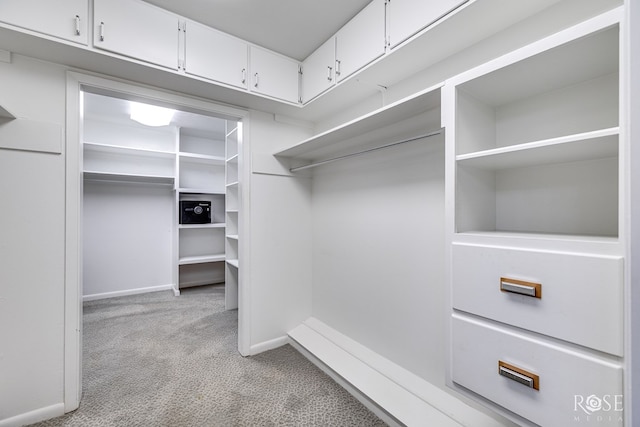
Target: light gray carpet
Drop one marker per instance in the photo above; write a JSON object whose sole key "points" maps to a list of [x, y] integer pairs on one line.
{"points": [[159, 360]]}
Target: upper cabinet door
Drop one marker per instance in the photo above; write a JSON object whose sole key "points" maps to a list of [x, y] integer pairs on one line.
{"points": [[273, 75], [136, 29], [215, 55], [66, 19], [361, 40], [318, 70], [407, 17]]}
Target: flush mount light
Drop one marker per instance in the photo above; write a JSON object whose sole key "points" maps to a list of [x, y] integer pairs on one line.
{"points": [[151, 115]]}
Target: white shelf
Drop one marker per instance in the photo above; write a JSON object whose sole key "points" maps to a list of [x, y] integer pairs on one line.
{"points": [[233, 262], [201, 259], [233, 184], [121, 149], [603, 245], [200, 191], [585, 146], [477, 235], [233, 158], [232, 211], [391, 114], [123, 177], [201, 158], [232, 236], [198, 226]]}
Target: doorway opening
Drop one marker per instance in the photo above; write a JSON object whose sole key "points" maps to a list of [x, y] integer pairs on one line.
{"points": [[152, 204]]}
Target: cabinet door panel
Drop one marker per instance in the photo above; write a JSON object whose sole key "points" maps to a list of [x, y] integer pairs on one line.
{"points": [[273, 75], [136, 29], [361, 40], [318, 70], [66, 19], [407, 17], [215, 55]]}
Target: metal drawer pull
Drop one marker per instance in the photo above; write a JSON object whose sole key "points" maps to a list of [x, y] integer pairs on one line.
{"points": [[521, 287], [101, 32], [519, 375], [77, 20]]}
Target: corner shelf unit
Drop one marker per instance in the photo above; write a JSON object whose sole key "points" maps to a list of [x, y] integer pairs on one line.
{"points": [[535, 191]]}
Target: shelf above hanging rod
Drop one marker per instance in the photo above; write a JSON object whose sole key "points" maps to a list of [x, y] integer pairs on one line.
{"points": [[346, 156]]}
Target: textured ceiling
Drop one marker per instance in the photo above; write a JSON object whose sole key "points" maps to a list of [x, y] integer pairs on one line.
{"points": [[292, 27]]}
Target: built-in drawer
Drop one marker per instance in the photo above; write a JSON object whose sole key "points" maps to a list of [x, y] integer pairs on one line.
{"points": [[543, 382], [573, 297]]}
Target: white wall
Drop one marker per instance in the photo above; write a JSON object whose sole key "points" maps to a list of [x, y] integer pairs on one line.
{"points": [[280, 241], [378, 244], [32, 247], [127, 237]]}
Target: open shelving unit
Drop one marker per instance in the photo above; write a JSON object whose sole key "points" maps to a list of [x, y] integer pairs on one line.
{"points": [[534, 189], [200, 171], [232, 213], [537, 133]]}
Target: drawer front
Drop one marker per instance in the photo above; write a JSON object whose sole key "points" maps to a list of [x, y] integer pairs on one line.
{"points": [[579, 297], [572, 388]]}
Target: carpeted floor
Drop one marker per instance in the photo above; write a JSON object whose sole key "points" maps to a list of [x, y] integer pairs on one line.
{"points": [[159, 360]]}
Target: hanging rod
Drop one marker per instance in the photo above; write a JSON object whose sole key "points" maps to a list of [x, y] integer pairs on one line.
{"points": [[393, 144]]}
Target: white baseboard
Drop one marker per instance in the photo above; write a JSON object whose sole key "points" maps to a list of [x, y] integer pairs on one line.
{"points": [[104, 295], [32, 417], [268, 345], [403, 395]]}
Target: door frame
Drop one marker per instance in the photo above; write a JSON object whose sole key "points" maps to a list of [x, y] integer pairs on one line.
{"points": [[76, 84]]}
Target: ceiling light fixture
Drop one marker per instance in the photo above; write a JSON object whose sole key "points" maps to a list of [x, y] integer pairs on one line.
{"points": [[151, 115]]}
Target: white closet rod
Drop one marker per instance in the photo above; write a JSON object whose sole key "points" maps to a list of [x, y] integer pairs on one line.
{"points": [[393, 144]]}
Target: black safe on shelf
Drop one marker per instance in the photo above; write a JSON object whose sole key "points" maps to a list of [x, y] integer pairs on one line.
{"points": [[195, 212]]}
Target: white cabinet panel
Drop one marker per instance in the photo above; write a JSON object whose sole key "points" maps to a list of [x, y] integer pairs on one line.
{"points": [[66, 19], [407, 17], [566, 378], [215, 55], [273, 74], [361, 40], [136, 29], [573, 286], [318, 70]]}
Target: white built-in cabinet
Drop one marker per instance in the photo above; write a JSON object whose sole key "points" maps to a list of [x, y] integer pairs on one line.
{"points": [[359, 42], [535, 183], [65, 19], [407, 17], [273, 74], [138, 30], [214, 55], [318, 70], [536, 235]]}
